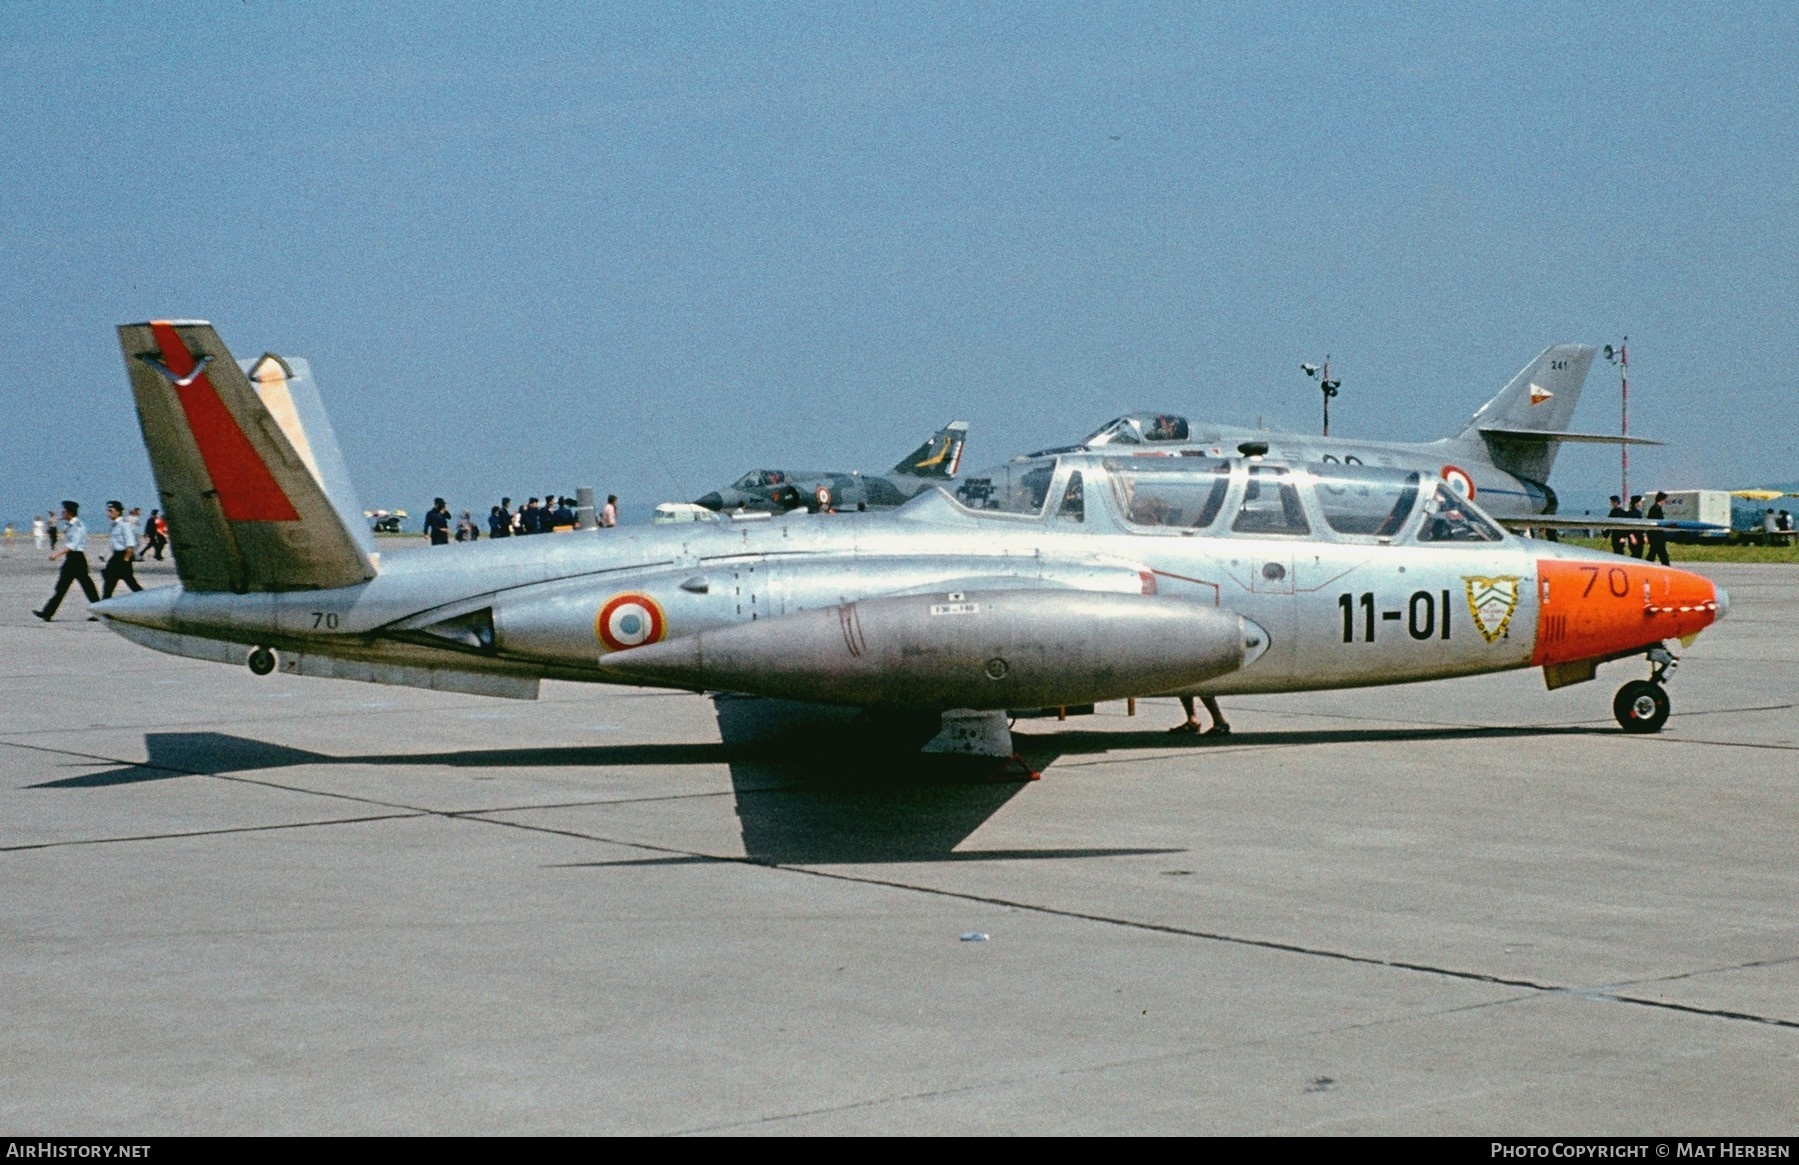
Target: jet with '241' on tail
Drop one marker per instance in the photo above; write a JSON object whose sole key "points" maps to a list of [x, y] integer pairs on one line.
{"points": [[1501, 457]]}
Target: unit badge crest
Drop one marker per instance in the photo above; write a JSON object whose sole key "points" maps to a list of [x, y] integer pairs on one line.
{"points": [[1491, 602]]}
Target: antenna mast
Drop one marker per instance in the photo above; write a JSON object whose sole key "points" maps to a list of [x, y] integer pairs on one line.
{"points": [[1621, 357], [1325, 383]]}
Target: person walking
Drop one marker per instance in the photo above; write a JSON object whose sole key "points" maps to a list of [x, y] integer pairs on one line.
{"points": [[50, 521], [609, 514], [38, 538], [1190, 725], [1636, 536], [124, 547], [1658, 541], [74, 563], [1619, 537], [159, 533], [437, 523]]}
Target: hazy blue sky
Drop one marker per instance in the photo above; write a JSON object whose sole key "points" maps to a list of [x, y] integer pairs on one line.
{"points": [[648, 247]]}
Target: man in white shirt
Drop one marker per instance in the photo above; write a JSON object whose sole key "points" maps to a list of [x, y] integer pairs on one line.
{"points": [[124, 548], [73, 553], [609, 514]]}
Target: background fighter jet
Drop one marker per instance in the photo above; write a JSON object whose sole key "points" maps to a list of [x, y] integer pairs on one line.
{"points": [[1120, 576], [1502, 456], [779, 490]]}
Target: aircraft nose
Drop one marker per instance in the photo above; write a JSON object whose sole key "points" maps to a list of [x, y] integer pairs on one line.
{"points": [[712, 501]]}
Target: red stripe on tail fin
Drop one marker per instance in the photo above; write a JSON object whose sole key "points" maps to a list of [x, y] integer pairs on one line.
{"points": [[247, 490]]}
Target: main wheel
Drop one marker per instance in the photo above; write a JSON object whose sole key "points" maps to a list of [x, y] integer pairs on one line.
{"points": [[262, 661], [1641, 706]]}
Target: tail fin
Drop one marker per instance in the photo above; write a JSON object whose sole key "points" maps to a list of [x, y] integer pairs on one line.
{"points": [[246, 479], [288, 391], [1539, 400], [938, 458]]}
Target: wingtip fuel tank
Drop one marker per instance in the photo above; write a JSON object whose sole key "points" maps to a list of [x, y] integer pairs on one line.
{"points": [[954, 649]]}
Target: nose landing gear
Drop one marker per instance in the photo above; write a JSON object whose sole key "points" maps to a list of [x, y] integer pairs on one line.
{"points": [[261, 661], [1642, 705]]}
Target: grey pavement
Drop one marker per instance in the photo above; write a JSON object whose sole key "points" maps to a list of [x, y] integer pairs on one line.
{"points": [[241, 905]]}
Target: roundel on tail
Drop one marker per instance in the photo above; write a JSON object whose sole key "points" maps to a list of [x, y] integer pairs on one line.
{"points": [[629, 620], [1459, 480]]}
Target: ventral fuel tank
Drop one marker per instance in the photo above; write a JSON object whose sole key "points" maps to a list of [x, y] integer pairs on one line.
{"points": [[981, 650]]}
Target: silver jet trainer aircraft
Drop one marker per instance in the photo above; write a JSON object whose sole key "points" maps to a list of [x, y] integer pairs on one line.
{"points": [[775, 491], [1502, 456], [1112, 577]]}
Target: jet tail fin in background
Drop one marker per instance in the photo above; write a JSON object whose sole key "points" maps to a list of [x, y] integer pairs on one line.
{"points": [[249, 475], [288, 391], [938, 458], [1540, 399]]}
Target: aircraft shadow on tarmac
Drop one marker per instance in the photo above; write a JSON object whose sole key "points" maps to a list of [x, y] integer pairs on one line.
{"points": [[812, 785]]}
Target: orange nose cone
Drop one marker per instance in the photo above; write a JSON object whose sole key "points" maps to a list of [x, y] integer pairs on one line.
{"points": [[1590, 610]]}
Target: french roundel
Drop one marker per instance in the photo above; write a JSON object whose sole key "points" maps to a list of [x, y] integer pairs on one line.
{"points": [[629, 620], [1458, 480]]}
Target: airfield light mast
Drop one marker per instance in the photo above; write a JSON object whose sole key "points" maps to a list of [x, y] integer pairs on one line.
{"points": [[1621, 357], [1330, 387]]}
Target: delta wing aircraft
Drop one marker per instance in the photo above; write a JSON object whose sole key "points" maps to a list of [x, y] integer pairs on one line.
{"points": [[1110, 577], [775, 491], [1501, 457]]}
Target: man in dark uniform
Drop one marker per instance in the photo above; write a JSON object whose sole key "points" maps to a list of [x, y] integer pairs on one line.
{"points": [[1619, 537], [74, 563], [1636, 536], [1658, 541], [124, 546], [437, 523]]}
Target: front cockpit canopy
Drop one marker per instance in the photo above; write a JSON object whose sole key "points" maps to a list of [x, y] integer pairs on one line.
{"points": [[760, 479]]}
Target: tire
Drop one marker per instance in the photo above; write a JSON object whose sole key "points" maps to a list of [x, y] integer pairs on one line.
{"points": [[1641, 706], [262, 661]]}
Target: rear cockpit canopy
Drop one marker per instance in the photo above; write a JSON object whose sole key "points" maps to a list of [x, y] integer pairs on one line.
{"points": [[759, 478], [1141, 429], [1229, 497]]}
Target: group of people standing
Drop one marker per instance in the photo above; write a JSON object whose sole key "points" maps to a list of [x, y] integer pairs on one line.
{"points": [[1636, 542], [130, 535], [552, 514]]}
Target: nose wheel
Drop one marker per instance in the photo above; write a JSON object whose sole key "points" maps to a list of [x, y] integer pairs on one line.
{"points": [[1643, 705]]}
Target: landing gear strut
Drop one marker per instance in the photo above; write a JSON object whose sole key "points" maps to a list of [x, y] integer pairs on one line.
{"points": [[1642, 705]]}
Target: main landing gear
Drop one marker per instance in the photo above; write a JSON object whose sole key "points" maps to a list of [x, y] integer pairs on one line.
{"points": [[1642, 705]]}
